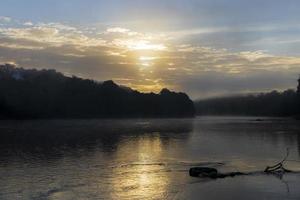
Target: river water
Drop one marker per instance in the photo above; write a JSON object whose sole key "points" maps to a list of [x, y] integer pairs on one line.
{"points": [[147, 158]]}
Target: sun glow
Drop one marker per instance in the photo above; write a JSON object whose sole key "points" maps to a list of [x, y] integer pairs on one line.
{"points": [[147, 58], [144, 45], [147, 61], [146, 64], [147, 52]]}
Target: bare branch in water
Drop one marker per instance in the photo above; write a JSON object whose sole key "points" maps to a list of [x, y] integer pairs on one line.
{"points": [[277, 169], [279, 166]]}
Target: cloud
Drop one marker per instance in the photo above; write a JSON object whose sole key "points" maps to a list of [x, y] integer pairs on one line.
{"points": [[4, 19], [145, 61], [28, 23], [51, 34], [117, 30]]}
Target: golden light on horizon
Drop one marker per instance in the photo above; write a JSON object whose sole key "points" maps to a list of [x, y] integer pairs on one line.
{"points": [[150, 88], [146, 88]]}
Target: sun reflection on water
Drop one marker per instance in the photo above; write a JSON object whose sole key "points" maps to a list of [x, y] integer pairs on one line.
{"points": [[145, 178]]}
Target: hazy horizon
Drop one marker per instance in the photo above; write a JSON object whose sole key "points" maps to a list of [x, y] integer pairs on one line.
{"points": [[204, 48]]}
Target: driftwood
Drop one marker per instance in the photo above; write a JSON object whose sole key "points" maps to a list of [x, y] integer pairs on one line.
{"points": [[278, 168], [213, 173]]}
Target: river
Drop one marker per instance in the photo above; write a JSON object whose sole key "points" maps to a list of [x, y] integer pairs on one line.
{"points": [[146, 158]]}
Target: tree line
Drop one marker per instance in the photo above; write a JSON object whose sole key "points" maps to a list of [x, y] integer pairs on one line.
{"points": [[31, 93], [286, 103]]}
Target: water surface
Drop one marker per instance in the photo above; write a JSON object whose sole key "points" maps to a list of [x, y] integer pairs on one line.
{"points": [[146, 158]]}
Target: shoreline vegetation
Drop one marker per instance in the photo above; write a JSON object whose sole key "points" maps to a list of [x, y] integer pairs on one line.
{"points": [[272, 104], [47, 94]]}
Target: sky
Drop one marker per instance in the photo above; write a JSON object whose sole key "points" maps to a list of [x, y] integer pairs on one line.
{"points": [[205, 48]]}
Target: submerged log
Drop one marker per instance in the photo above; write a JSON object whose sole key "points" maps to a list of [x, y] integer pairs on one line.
{"points": [[203, 171], [213, 173]]}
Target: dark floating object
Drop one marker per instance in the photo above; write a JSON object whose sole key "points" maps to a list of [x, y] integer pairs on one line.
{"points": [[203, 171], [259, 120], [213, 173]]}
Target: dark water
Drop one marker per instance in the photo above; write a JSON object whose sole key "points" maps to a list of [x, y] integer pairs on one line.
{"points": [[146, 159]]}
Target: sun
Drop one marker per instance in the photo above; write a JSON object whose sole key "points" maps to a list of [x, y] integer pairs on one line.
{"points": [[145, 51], [144, 45]]}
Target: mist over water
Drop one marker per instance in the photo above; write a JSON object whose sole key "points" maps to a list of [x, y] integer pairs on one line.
{"points": [[146, 158]]}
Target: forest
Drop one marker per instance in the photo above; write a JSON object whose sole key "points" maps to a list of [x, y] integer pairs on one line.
{"points": [[31, 93], [286, 103]]}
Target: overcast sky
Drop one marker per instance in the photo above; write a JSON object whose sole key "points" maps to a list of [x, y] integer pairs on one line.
{"points": [[202, 47]]}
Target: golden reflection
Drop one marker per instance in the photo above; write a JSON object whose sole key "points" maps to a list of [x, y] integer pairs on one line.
{"points": [[143, 176]]}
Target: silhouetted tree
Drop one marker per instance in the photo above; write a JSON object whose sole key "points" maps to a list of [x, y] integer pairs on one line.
{"points": [[298, 88], [30, 93], [298, 96]]}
